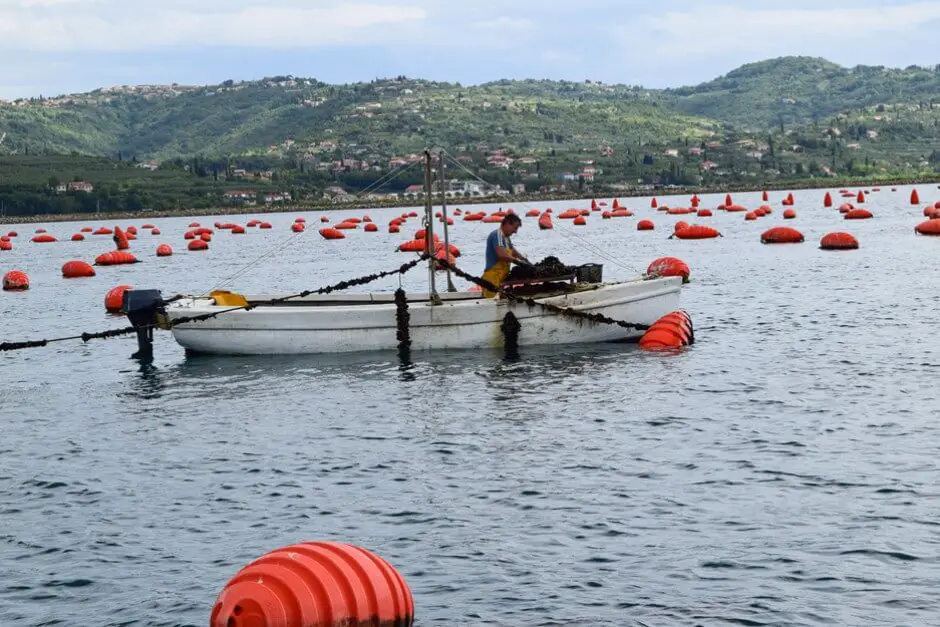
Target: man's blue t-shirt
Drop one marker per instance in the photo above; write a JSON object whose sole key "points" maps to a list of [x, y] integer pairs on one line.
{"points": [[495, 240]]}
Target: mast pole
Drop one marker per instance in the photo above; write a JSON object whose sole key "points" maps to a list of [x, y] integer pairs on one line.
{"points": [[429, 230], [440, 166]]}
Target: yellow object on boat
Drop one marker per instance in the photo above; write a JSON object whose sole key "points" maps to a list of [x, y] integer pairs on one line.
{"points": [[228, 299]]}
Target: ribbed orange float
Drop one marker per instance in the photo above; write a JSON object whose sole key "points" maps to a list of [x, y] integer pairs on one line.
{"points": [[838, 241], [930, 227], [413, 246], [198, 244], [164, 250], [789, 214], [669, 266], [858, 214], [674, 330], [77, 269], [645, 225], [315, 584], [781, 235], [114, 299], [696, 231], [15, 281], [45, 238], [735, 208], [330, 233], [115, 258]]}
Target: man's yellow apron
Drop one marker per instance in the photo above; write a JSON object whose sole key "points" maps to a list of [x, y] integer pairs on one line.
{"points": [[495, 274]]}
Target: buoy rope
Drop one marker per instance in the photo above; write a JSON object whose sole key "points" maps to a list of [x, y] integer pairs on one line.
{"points": [[293, 237], [531, 302], [85, 337], [565, 232]]}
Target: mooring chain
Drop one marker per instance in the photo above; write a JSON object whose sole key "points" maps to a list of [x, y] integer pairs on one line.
{"points": [[342, 285], [564, 311]]}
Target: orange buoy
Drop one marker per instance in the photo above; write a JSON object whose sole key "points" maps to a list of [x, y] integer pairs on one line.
{"points": [[765, 196], [696, 231], [132, 230], [147, 226], [6, 244], [827, 200], [653, 203], [329, 233], [606, 215], [297, 227], [674, 330], [750, 215], [735, 208], [352, 220], [838, 241], [846, 207], [930, 227], [413, 246], [303, 220], [533, 213], [120, 239], [238, 230], [781, 235], [858, 214], [645, 225], [728, 201], [198, 244], [315, 584], [264, 225], [164, 250], [694, 201], [40, 230], [704, 213], [568, 214], [346, 225], [15, 281], [394, 228], [621, 212], [669, 266], [114, 299], [115, 258], [87, 229], [77, 269], [45, 238], [915, 197], [154, 231], [580, 221], [194, 225], [545, 221], [366, 219], [681, 224], [371, 227], [861, 197], [206, 237], [789, 214]]}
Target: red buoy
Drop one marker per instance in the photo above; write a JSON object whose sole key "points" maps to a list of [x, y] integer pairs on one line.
{"points": [[264, 225], [115, 258], [303, 220], [930, 227], [838, 241], [861, 197], [669, 266], [728, 201], [164, 250], [545, 221], [78, 237], [154, 231], [827, 200], [114, 299], [371, 227], [194, 225], [120, 239], [696, 231], [337, 234], [315, 584], [15, 281], [858, 214], [533, 213], [704, 213], [915, 197], [6, 244], [198, 244], [45, 238], [77, 269], [645, 225], [781, 235], [580, 221], [297, 227], [789, 214], [653, 203], [87, 229], [765, 196], [674, 330]]}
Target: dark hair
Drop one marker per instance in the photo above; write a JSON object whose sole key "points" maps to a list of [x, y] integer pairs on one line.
{"points": [[511, 218]]}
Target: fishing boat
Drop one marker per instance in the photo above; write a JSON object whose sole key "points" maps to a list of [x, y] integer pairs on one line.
{"points": [[563, 310]]}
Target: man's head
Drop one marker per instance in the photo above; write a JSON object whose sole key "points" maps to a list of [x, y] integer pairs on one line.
{"points": [[510, 224]]}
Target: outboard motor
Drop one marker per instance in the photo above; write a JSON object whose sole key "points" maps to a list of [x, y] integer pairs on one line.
{"points": [[145, 310]]}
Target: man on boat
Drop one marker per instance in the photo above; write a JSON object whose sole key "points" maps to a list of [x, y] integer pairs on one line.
{"points": [[500, 252]]}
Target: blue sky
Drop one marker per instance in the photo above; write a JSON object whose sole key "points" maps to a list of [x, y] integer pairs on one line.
{"points": [[51, 47]]}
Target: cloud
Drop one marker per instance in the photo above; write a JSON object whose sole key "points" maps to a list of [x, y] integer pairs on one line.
{"points": [[122, 28]]}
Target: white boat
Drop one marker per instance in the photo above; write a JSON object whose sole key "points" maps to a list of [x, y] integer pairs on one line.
{"points": [[461, 320]]}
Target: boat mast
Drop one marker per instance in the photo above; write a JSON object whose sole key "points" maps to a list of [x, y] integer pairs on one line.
{"points": [[440, 166], [429, 230]]}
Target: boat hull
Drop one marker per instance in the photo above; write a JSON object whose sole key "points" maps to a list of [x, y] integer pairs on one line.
{"points": [[462, 321]]}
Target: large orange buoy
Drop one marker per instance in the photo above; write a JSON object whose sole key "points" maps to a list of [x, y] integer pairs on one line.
{"points": [[206, 237], [681, 224], [838, 241], [645, 225], [735, 208], [78, 237], [315, 584], [413, 246], [915, 197], [45, 238], [781, 235], [329, 233], [545, 221], [930, 227], [154, 231], [827, 200], [533, 213], [704, 213], [345, 225], [674, 330], [6, 244], [621, 212], [606, 215], [102, 230], [198, 244], [120, 239], [132, 230], [750, 215], [15, 281], [238, 230], [696, 231], [789, 214], [115, 258], [164, 250], [371, 227], [858, 214], [114, 299], [297, 227], [580, 221], [669, 266], [76, 269]]}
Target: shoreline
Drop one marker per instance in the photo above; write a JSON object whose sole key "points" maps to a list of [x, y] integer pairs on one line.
{"points": [[358, 205]]}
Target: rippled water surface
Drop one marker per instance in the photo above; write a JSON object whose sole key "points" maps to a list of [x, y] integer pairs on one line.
{"points": [[782, 471]]}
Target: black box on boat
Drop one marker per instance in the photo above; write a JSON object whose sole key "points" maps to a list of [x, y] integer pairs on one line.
{"points": [[590, 273], [141, 300]]}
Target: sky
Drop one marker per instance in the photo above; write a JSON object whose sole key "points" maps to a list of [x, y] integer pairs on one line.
{"points": [[52, 47]]}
